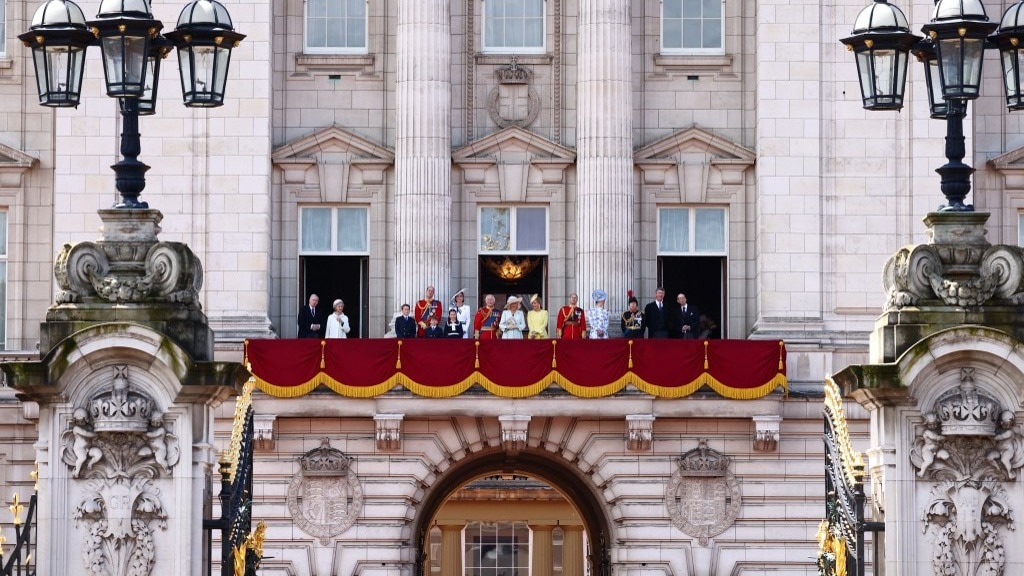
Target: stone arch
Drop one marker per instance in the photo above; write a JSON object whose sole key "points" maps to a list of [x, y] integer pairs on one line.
{"points": [[561, 475], [932, 366]]}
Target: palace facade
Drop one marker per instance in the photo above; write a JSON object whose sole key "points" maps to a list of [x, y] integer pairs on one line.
{"points": [[370, 148]]}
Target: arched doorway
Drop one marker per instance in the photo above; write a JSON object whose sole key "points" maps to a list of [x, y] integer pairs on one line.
{"points": [[566, 480]]}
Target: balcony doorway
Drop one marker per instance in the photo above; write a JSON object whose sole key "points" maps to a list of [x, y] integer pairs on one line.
{"points": [[509, 275], [333, 277], [702, 279]]}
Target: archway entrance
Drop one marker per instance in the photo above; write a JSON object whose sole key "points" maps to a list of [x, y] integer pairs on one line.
{"points": [[476, 520]]}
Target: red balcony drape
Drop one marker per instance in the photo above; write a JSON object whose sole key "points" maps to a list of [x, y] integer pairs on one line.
{"points": [[363, 368]]}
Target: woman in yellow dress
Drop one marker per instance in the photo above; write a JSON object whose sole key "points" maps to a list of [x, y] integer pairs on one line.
{"points": [[537, 319]]}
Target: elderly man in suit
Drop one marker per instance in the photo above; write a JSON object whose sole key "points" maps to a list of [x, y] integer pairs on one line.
{"points": [[312, 321], [687, 322]]}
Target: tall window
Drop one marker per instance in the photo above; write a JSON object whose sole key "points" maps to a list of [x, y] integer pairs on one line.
{"points": [[497, 549], [325, 230], [692, 26], [3, 26], [513, 26], [684, 231], [1020, 229], [336, 26], [513, 229], [3, 279]]}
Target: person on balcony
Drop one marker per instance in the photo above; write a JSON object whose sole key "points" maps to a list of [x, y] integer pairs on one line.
{"points": [[632, 321], [598, 317], [453, 327], [512, 322], [537, 319], [485, 323], [311, 321], [426, 309], [657, 316], [433, 330], [463, 312], [337, 323], [405, 325], [571, 323], [687, 321]]}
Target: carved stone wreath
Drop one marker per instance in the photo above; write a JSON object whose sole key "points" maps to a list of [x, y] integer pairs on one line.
{"points": [[703, 496]]}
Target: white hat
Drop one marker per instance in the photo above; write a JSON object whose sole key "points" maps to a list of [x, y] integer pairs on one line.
{"points": [[461, 291], [512, 300]]}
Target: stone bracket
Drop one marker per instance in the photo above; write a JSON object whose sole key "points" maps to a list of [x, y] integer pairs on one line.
{"points": [[766, 433], [388, 431], [639, 432], [514, 431], [263, 430]]}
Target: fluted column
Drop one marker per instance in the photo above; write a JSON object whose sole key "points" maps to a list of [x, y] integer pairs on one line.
{"points": [[604, 159], [542, 559], [451, 550], [572, 551], [422, 149]]}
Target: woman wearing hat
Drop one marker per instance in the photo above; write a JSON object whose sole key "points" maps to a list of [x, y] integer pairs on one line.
{"points": [[512, 322], [598, 316], [462, 312], [537, 319], [337, 322]]}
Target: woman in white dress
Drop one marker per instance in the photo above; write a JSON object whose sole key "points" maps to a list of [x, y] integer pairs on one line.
{"points": [[512, 321], [337, 322], [462, 312], [598, 317]]}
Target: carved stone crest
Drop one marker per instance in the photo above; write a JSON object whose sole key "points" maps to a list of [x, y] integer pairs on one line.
{"points": [[703, 496], [118, 443], [513, 102], [325, 498], [969, 448]]}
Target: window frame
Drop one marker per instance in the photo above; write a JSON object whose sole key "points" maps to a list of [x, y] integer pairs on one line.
{"points": [[5, 241], [720, 50], [3, 27], [542, 49], [513, 225], [307, 49], [692, 232], [334, 251]]}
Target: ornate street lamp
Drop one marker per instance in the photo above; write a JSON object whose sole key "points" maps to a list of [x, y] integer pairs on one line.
{"points": [[132, 48], [952, 54]]}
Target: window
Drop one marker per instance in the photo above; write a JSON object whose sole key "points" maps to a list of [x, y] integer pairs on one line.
{"points": [[3, 280], [497, 549], [336, 26], [513, 229], [513, 26], [3, 26], [692, 231], [1020, 229], [692, 26], [326, 230]]}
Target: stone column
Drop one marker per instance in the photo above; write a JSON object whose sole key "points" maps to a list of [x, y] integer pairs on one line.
{"points": [[451, 549], [422, 149], [572, 551], [604, 165], [542, 559]]}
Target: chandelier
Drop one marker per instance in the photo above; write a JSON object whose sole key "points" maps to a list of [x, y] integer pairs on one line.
{"points": [[511, 269]]}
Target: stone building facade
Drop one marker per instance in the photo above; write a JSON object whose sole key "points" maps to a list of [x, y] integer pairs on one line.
{"points": [[592, 140]]}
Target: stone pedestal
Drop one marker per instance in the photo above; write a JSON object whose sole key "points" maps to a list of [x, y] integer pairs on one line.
{"points": [[943, 389], [126, 392]]}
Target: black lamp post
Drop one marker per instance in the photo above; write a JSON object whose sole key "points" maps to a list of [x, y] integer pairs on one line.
{"points": [[132, 49], [952, 54]]}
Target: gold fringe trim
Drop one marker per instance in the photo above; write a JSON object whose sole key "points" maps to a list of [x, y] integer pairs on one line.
{"points": [[746, 393], [514, 391], [594, 391]]}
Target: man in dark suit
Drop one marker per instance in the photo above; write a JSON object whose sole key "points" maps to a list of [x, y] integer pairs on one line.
{"points": [[405, 325], [687, 322], [312, 321], [656, 316]]}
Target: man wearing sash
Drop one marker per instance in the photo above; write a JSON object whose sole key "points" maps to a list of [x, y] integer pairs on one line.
{"points": [[485, 324], [571, 323], [426, 309]]}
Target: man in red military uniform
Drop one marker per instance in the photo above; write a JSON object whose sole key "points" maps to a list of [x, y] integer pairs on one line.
{"points": [[426, 309], [571, 322], [485, 324]]}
